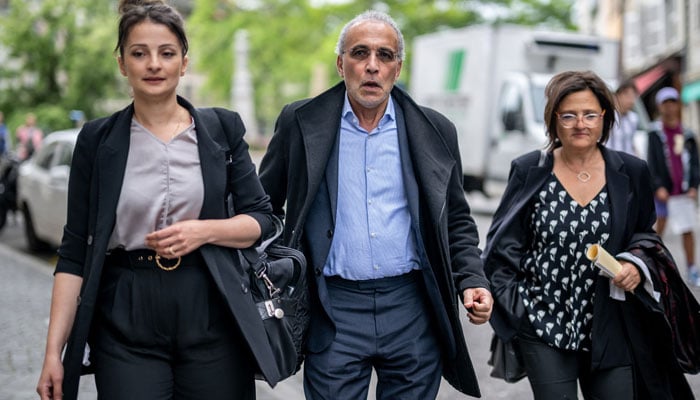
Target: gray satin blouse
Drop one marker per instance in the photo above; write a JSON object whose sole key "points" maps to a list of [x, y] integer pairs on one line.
{"points": [[162, 185]]}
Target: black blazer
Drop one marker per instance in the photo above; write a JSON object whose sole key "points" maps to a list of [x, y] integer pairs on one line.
{"points": [[633, 331], [632, 214], [97, 172], [294, 171]]}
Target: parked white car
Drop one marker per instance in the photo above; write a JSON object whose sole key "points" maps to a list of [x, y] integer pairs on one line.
{"points": [[42, 189]]}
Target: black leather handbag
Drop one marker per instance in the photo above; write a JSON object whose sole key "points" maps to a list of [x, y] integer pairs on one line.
{"points": [[279, 288]]}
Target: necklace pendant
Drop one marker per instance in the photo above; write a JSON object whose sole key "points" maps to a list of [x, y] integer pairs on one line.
{"points": [[583, 176]]}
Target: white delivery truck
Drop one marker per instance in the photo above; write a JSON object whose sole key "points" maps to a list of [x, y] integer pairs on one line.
{"points": [[489, 80]]}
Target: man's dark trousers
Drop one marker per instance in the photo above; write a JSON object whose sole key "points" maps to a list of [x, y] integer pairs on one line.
{"points": [[382, 324]]}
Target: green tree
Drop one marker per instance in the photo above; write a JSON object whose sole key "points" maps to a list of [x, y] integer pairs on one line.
{"points": [[58, 57], [554, 14], [290, 38]]}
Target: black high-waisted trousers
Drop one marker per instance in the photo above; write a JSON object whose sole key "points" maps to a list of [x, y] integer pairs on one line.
{"points": [[166, 334]]}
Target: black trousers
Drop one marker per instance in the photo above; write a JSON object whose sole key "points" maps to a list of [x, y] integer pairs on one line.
{"points": [[555, 374], [382, 324], [167, 335]]}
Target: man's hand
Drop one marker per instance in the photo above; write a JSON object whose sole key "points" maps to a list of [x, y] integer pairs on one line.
{"points": [[478, 302]]}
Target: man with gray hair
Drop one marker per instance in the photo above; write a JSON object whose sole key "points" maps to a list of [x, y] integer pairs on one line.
{"points": [[373, 189]]}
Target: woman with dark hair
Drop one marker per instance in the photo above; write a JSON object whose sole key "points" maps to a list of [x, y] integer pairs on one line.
{"points": [[148, 293], [569, 323]]}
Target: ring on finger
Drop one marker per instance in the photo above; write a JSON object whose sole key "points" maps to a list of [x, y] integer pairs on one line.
{"points": [[170, 249]]}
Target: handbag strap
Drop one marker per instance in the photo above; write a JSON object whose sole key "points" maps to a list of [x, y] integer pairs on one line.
{"points": [[256, 258], [252, 254]]}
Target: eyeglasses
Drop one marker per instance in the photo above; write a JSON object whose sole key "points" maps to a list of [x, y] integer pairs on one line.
{"points": [[362, 53], [590, 120]]}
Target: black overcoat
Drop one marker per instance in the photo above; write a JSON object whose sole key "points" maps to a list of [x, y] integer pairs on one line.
{"points": [[294, 171]]}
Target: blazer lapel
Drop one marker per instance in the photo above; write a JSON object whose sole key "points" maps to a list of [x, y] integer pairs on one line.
{"points": [[332, 178], [618, 190], [212, 160], [110, 168], [536, 176]]}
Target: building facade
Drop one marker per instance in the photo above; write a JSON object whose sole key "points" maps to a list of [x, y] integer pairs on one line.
{"points": [[660, 43]]}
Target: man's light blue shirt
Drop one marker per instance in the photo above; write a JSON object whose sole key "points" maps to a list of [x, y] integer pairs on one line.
{"points": [[373, 236]]}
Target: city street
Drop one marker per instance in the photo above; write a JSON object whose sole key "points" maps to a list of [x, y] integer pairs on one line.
{"points": [[25, 290]]}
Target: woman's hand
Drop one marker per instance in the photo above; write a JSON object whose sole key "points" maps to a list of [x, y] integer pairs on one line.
{"points": [[184, 237], [50, 384], [178, 239], [628, 278], [478, 302]]}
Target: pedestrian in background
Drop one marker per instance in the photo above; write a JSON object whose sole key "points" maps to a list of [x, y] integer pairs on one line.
{"points": [[372, 184], [4, 136], [673, 161], [29, 137], [626, 120], [145, 271], [571, 325]]}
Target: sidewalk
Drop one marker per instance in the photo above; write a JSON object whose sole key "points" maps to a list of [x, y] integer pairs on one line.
{"points": [[25, 295]]}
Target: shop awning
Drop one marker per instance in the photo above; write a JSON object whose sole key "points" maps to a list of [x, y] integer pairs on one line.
{"points": [[645, 80], [690, 92]]}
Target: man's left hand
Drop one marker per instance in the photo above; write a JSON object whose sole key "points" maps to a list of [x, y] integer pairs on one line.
{"points": [[478, 302]]}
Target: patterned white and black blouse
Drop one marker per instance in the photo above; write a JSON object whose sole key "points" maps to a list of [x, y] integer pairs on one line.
{"points": [[558, 290]]}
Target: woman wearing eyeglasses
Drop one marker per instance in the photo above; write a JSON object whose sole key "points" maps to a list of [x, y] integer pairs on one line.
{"points": [[550, 299]]}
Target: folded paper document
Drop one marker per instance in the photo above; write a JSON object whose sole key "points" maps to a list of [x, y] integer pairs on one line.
{"points": [[603, 260]]}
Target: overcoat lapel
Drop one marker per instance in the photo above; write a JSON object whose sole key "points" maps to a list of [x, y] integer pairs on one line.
{"points": [[432, 161], [332, 177], [409, 178], [319, 122]]}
